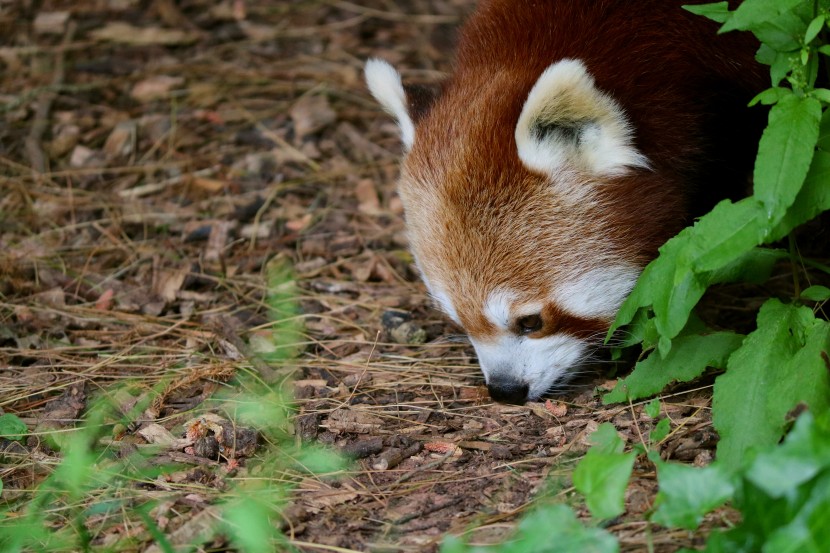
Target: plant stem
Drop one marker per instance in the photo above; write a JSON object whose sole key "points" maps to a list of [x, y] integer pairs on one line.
{"points": [[794, 265]]}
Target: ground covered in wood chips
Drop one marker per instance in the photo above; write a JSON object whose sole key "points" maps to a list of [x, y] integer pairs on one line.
{"points": [[156, 157]]}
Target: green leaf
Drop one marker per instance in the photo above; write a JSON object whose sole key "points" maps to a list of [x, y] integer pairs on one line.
{"points": [[816, 293], [247, 521], [814, 197], [785, 152], [754, 12], [606, 440], [602, 475], [652, 408], [755, 266], [814, 28], [602, 478], [771, 96], [783, 496], [823, 142], [809, 531], [688, 493], [719, 248], [804, 453], [544, 530], [777, 366], [784, 33], [688, 358], [716, 11], [12, 428], [725, 234], [660, 431], [772, 21], [317, 460]]}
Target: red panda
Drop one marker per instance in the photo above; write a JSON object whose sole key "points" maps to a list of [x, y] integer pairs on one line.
{"points": [[570, 141]]}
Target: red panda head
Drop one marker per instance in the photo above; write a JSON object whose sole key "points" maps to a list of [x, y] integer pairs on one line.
{"points": [[522, 216]]}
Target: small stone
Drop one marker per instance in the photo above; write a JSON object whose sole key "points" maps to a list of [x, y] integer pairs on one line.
{"points": [[409, 333]]}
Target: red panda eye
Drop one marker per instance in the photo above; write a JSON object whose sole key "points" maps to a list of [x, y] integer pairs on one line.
{"points": [[529, 324]]}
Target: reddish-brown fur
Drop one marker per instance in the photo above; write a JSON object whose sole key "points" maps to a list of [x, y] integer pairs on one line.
{"points": [[477, 214]]}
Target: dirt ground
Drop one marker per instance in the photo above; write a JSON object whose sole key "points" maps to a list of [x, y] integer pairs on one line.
{"points": [[155, 156]]}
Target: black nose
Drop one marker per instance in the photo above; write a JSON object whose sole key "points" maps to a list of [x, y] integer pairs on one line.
{"points": [[507, 390]]}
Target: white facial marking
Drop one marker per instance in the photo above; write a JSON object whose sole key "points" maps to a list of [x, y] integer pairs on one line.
{"points": [[596, 136], [539, 363], [597, 292], [445, 304], [439, 296], [497, 307], [385, 85]]}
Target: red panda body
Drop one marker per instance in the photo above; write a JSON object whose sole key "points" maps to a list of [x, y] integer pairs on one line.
{"points": [[571, 140]]}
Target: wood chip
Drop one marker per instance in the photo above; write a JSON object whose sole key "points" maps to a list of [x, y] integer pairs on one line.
{"points": [[440, 447]]}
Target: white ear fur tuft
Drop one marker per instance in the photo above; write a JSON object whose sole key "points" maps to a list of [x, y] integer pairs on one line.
{"points": [[385, 85], [568, 123]]}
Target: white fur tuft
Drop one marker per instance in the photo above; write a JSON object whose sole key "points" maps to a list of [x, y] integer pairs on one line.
{"points": [[566, 94], [497, 307], [597, 292], [445, 304], [386, 86]]}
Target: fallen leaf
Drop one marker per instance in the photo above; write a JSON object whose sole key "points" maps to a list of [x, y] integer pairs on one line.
{"points": [[367, 196], [209, 185], [297, 225], [50, 23], [124, 33], [170, 282], [155, 88], [156, 434], [557, 409], [121, 141], [317, 495], [105, 300], [311, 114]]}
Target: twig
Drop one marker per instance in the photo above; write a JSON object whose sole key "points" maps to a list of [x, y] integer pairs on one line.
{"points": [[394, 456], [34, 150]]}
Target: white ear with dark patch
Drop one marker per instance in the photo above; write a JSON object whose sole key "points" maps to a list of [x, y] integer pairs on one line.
{"points": [[568, 123], [386, 86]]}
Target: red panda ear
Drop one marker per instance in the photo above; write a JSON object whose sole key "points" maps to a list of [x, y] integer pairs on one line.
{"points": [[385, 85], [567, 123]]}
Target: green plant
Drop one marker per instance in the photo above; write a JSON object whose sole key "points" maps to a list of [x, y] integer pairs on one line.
{"points": [[783, 362]]}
